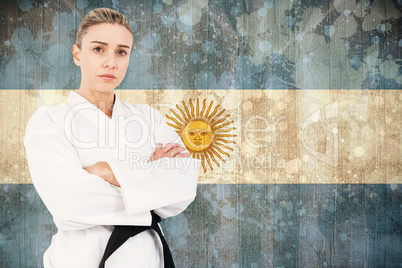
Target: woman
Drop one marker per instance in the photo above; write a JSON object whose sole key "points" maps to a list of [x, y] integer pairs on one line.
{"points": [[98, 162]]}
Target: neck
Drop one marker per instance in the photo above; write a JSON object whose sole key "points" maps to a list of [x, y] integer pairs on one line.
{"points": [[103, 100]]}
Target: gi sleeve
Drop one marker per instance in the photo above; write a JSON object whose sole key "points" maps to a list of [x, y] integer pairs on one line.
{"points": [[75, 198], [167, 185]]}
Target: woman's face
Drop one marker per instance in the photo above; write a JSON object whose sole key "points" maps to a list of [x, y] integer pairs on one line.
{"points": [[103, 57]]}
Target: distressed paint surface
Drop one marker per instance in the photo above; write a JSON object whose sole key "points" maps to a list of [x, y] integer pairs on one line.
{"points": [[273, 58]]}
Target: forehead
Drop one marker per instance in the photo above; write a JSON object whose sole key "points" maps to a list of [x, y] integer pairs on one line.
{"points": [[108, 33], [199, 124]]}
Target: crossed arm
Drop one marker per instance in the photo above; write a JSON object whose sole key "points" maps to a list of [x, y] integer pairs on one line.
{"points": [[103, 170]]}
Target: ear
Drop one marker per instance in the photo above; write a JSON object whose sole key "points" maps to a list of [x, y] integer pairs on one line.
{"points": [[76, 55]]}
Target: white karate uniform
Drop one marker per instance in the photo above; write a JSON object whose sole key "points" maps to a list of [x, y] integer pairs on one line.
{"points": [[62, 140]]}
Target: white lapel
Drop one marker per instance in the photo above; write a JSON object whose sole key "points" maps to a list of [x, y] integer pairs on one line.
{"points": [[88, 129], [126, 134]]}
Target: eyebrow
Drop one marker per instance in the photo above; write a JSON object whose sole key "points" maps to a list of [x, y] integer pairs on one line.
{"points": [[106, 44]]}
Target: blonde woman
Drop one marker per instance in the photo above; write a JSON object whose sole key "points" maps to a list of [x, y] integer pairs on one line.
{"points": [[107, 169]]}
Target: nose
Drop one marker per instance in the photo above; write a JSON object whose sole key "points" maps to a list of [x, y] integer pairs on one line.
{"points": [[197, 137], [110, 61]]}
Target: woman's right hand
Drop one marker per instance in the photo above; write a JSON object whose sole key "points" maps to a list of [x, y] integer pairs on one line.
{"points": [[172, 150]]}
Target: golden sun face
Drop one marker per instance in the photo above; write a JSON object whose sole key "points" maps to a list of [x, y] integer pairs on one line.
{"points": [[197, 135], [203, 132]]}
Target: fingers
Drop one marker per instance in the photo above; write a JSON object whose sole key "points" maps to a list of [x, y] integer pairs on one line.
{"points": [[170, 146], [173, 150], [182, 155]]}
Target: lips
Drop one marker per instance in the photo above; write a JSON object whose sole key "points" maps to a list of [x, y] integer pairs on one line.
{"points": [[107, 77]]}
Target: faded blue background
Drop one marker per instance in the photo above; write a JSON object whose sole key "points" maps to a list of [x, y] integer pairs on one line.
{"points": [[286, 44]]}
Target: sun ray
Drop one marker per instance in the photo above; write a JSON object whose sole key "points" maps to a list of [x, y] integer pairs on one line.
{"points": [[216, 108], [224, 146], [224, 130], [185, 107], [212, 157], [226, 135], [223, 125], [209, 108], [192, 107], [209, 162], [203, 107], [217, 116], [173, 125], [203, 163], [174, 120], [220, 121], [178, 116], [220, 150], [182, 113], [219, 139], [215, 153], [198, 108]]}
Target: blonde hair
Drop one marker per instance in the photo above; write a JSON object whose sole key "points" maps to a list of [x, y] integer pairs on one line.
{"points": [[97, 16]]}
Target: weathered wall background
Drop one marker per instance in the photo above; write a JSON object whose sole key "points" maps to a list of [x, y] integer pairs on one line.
{"points": [[313, 88]]}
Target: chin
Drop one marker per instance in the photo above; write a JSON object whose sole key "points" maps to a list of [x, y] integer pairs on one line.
{"points": [[107, 88]]}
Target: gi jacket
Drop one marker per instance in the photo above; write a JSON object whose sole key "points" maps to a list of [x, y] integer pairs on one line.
{"points": [[62, 140]]}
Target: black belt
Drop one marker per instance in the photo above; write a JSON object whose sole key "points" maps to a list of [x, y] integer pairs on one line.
{"points": [[121, 234]]}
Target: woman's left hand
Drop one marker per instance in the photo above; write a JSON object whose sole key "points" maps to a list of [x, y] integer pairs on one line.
{"points": [[172, 150]]}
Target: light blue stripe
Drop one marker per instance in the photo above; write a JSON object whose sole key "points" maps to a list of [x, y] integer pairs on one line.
{"points": [[259, 225], [233, 45]]}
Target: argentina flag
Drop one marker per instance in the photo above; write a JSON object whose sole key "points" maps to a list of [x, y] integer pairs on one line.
{"points": [[294, 108]]}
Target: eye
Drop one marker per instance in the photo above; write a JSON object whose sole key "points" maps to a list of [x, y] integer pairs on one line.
{"points": [[122, 52], [191, 133], [98, 49], [203, 133]]}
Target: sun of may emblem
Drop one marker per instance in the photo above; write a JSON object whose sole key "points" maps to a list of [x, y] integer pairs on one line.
{"points": [[203, 133]]}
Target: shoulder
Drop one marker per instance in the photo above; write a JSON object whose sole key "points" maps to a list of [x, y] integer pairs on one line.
{"points": [[47, 115]]}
